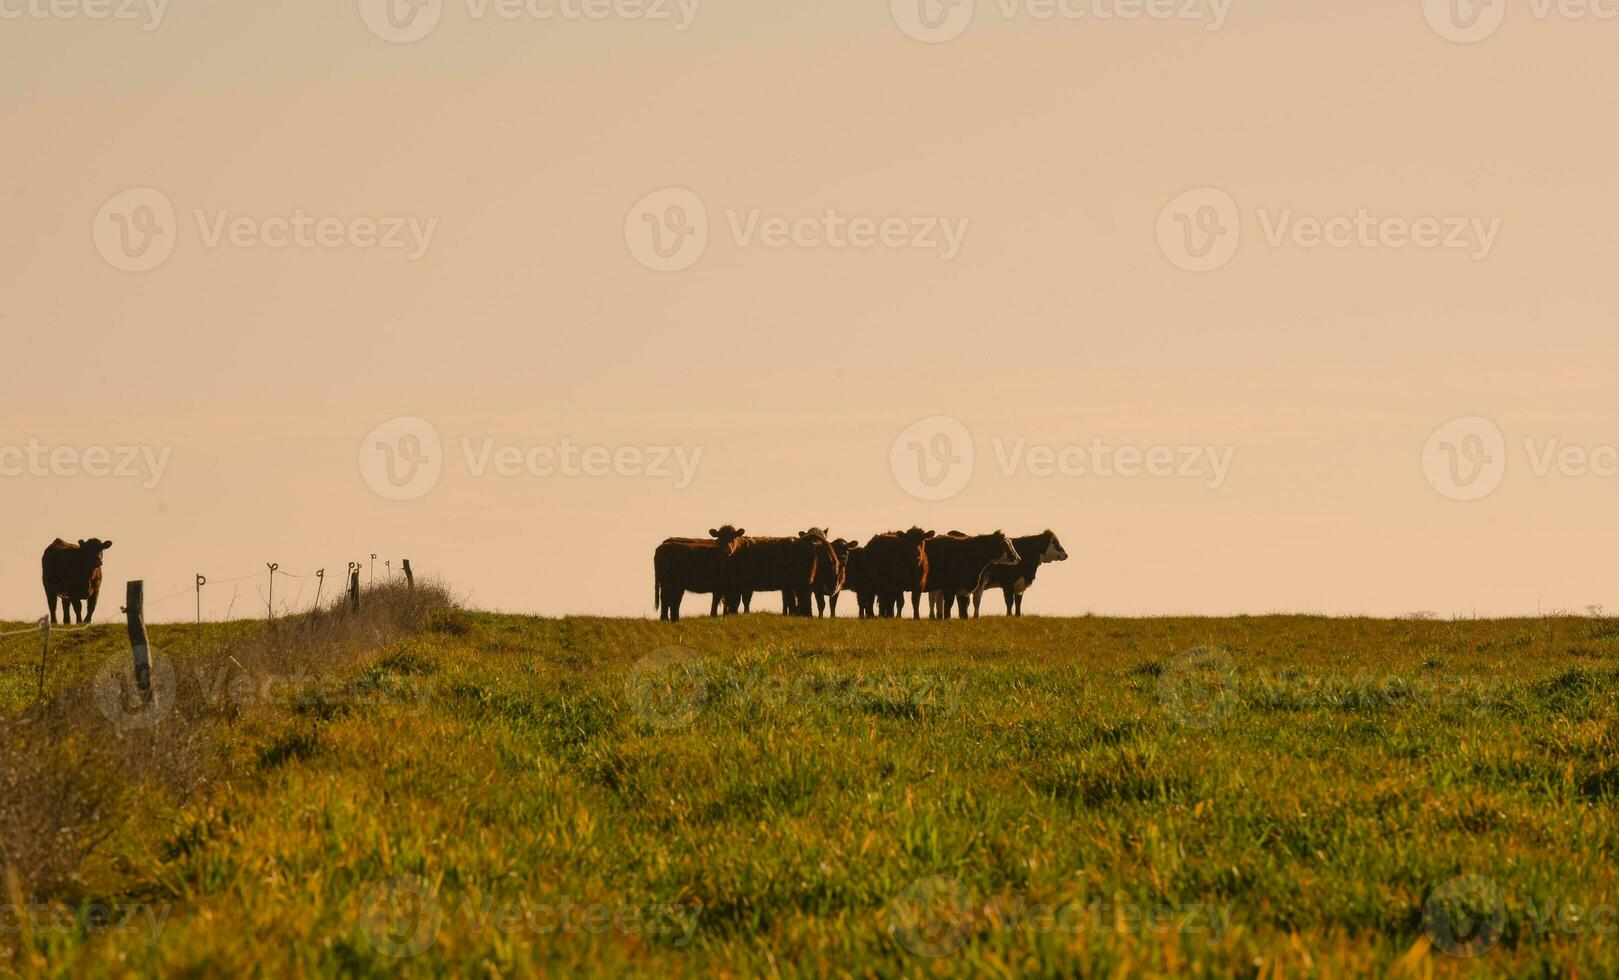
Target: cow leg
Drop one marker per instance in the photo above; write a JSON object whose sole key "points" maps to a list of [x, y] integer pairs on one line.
{"points": [[1019, 601], [833, 602], [674, 597], [78, 612], [978, 600], [1006, 593], [961, 605], [714, 604], [944, 606], [50, 603], [916, 605], [747, 602], [90, 614]]}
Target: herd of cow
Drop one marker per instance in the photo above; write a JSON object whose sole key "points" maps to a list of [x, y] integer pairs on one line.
{"points": [[951, 569]]}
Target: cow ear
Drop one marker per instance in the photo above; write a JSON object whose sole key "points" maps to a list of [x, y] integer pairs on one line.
{"points": [[741, 532], [81, 542], [930, 534], [105, 545], [713, 532]]}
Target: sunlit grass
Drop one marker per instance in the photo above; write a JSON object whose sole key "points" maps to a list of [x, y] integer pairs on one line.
{"points": [[760, 795]]}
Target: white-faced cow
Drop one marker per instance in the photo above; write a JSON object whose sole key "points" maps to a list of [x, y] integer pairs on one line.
{"points": [[1014, 580], [72, 573]]}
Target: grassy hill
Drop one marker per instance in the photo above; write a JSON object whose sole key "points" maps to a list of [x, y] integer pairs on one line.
{"points": [[480, 793]]}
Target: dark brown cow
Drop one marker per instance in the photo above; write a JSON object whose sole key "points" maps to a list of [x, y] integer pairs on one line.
{"points": [[785, 565], [956, 565], [892, 565], [830, 582], [1013, 580], [682, 565], [72, 573]]}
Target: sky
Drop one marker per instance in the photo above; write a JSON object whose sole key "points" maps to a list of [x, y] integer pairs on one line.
{"points": [[1261, 306]]}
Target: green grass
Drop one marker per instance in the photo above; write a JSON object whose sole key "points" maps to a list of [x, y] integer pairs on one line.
{"points": [[1251, 796]]}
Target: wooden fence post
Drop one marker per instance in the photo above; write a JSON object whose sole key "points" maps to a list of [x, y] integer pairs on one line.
{"points": [[272, 566], [320, 583], [373, 568], [410, 579], [44, 624], [201, 581], [135, 607], [354, 586]]}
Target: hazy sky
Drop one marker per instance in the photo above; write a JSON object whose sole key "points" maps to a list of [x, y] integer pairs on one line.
{"points": [[739, 266]]}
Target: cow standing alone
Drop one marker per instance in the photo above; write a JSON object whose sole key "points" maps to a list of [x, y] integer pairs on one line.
{"points": [[72, 573]]}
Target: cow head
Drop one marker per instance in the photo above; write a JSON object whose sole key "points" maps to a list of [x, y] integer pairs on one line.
{"points": [[728, 538], [828, 575], [90, 551], [1009, 555], [1052, 550]]}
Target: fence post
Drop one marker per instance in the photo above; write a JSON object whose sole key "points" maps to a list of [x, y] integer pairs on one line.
{"points": [[410, 579], [44, 624], [354, 586], [320, 583], [201, 581], [135, 607], [272, 566], [373, 568]]}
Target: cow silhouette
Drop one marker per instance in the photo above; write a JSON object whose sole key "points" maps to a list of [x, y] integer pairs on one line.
{"points": [[72, 573]]}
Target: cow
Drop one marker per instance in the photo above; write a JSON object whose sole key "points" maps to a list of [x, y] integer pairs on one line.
{"points": [[891, 565], [681, 565], [72, 573], [1014, 580], [785, 565], [956, 565], [829, 582]]}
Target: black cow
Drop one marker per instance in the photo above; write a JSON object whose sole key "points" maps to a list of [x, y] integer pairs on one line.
{"points": [[956, 566], [681, 565], [72, 573]]}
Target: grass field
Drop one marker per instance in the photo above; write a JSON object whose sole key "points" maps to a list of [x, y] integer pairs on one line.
{"points": [[505, 795]]}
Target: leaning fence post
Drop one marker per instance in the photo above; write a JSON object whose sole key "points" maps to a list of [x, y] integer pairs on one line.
{"points": [[354, 585], [410, 579], [45, 625], [135, 607], [320, 583]]}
